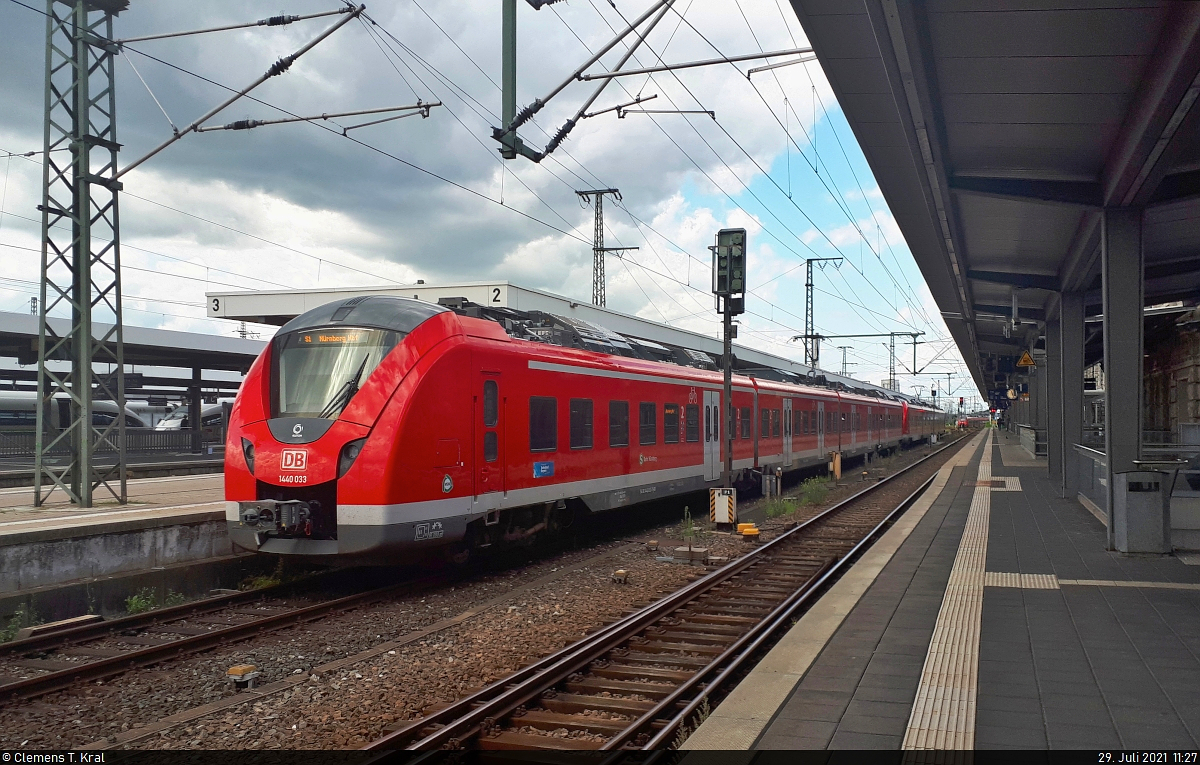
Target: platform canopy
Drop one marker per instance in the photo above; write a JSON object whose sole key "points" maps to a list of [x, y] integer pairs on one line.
{"points": [[143, 345], [1000, 132]]}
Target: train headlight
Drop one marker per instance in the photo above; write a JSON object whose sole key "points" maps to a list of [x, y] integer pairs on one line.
{"points": [[248, 453], [349, 453]]}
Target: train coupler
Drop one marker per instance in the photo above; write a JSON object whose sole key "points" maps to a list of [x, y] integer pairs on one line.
{"points": [[279, 516]]}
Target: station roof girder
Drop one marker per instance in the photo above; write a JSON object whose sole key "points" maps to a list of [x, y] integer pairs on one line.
{"points": [[143, 345]]}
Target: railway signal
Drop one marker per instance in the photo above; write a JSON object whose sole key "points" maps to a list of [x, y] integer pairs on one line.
{"points": [[729, 285]]}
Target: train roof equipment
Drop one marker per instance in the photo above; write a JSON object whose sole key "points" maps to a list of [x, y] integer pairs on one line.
{"points": [[525, 314]]}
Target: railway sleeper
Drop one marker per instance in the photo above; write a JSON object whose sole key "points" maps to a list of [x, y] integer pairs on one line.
{"points": [[691, 616], [763, 590], [713, 628], [742, 590], [667, 646], [571, 703], [95, 653], [544, 720], [745, 604], [167, 629], [701, 638], [677, 660], [143, 640], [596, 685], [47, 665], [509, 740], [627, 671], [789, 579]]}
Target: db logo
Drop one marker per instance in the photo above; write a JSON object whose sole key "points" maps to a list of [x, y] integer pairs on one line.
{"points": [[294, 459]]}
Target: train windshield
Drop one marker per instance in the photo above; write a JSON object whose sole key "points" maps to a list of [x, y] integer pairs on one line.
{"points": [[318, 371]]}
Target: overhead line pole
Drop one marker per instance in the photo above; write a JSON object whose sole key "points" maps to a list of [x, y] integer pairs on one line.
{"points": [[81, 262], [812, 343], [598, 248], [80, 270]]}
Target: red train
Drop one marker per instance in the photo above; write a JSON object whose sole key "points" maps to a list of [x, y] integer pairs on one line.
{"points": [[380, 424]]}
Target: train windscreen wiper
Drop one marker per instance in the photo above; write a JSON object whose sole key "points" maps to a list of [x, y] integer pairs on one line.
{"points": [[341, 399]]}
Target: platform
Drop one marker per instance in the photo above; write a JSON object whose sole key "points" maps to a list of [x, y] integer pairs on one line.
{"points": [[990, 616], [168, 521]]}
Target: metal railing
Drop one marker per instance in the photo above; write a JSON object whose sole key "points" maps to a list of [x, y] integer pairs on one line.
{"points": [[1093, 476], [137, 441], [1093, 470], [1033, 440]]}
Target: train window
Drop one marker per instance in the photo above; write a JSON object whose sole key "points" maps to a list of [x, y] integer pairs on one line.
{"points": [[774, 423], [17, 417], [670, 423], [581, 423], [691, 423], [764, 430], [796, 422], [747, 422], [543, 423], [618, 423], [491, 403], [804, 422], [491, 447], [647, 423]]}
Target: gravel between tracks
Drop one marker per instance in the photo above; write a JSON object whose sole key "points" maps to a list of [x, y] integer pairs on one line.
{"points": [[352, 705]]}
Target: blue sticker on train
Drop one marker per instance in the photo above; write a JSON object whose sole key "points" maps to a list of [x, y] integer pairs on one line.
{"points": [[543, 469]]}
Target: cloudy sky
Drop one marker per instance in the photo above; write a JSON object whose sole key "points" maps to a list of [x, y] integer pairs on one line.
{"points": [[301, 205]]}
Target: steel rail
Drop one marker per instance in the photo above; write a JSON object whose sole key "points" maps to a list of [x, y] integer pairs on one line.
{"points": [[115, 665], [98, 630], [463, 718], [740, 652]]}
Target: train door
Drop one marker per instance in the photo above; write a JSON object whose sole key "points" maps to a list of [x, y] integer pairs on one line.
{"points": [[712, 435], [787, 431], [489, 456], [820, 414]]}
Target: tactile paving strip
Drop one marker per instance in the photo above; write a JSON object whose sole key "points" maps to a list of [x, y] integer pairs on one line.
{"points": [[1023, 581], [943, 715]]}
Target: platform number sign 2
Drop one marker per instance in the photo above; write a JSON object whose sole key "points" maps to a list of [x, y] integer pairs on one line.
{"points": [[496, 295]]}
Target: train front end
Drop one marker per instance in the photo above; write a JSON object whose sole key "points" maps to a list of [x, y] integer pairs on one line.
{"points": [[311, 441]]}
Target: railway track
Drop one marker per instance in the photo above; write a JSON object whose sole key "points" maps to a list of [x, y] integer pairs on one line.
{"points": [[635, 682], [108, 648]]}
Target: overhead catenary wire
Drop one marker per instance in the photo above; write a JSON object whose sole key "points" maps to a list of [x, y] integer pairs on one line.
{"points": [[559, 164], [716, 154]]}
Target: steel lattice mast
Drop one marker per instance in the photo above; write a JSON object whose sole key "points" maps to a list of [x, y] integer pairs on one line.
{"points": [[598, 248], [812, 343], [81, 257]]}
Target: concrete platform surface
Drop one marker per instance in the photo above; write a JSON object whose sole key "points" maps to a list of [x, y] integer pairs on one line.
{"points": [[149, 499], [998, 621]]}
